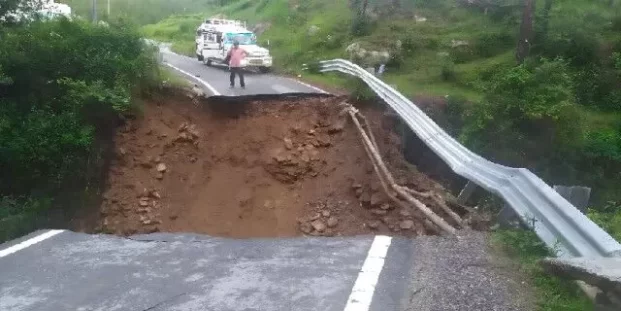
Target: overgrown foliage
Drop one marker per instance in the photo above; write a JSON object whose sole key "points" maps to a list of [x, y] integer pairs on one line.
{"points": [[140, 12], [552, 293], [528, 113], [608, 217], [63, 87]]}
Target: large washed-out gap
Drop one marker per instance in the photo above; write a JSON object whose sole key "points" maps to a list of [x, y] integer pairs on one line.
{"points": [[257, 166]]}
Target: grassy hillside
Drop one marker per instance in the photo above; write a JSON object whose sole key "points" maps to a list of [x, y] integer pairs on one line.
{"points": [[304, 31], [140, 12]]}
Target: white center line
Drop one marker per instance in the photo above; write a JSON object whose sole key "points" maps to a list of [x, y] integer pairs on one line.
{"points": [[362, 292], [32, 241], [207, 85]]}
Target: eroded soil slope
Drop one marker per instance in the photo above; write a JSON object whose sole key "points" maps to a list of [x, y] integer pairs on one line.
{"points": [[256, 169]]}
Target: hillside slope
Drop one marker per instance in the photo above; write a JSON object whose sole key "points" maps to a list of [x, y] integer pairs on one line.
{"points": [[436, 48]]}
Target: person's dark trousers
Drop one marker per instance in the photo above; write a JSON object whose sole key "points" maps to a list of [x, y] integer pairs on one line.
{"points": [[240, 73]]}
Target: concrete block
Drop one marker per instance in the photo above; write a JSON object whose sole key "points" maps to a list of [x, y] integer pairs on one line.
{"points": [[577, 195]]}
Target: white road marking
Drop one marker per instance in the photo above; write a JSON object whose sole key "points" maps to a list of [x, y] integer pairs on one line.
{"points": [[309, 86], [362, 292], [207, 85], [32, 241]]}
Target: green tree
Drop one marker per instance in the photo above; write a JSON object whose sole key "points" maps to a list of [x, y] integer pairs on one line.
{"points": [[528, 114], [11, 10]]}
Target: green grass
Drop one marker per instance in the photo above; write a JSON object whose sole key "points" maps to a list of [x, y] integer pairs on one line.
{"points": [[178, 30], [608, 217], [552, 293], [172, 78]]}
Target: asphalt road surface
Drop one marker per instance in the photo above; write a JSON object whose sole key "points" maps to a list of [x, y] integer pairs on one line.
{"points": [[215, 80], [52, 270]]}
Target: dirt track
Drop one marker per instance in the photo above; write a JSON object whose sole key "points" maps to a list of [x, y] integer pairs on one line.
{"points": [[262, 169]]}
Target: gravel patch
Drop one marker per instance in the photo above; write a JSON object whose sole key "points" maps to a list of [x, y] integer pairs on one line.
{"points": [[463, 273]]}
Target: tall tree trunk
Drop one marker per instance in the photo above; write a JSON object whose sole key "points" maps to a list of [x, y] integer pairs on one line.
{"points": [[545, 18], [363, 11], [526, 31]]}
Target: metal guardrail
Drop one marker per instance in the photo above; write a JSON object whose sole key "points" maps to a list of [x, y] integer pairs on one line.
{"points": [[556, 221]]}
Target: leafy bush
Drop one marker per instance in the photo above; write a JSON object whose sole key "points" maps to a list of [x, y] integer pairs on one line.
{"points": [[579, 47], [463, 54], [361, 26], [492, 43], [603, 144], [597, 85], [447, 72], [64, 83], [608, 217], [528, 110], [19, 216]]}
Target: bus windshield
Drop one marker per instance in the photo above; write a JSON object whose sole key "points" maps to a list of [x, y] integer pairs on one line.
{"points": [[243, 38]]}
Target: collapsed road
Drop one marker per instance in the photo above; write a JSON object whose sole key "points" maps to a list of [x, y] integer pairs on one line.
{"points": [[259, 203]]}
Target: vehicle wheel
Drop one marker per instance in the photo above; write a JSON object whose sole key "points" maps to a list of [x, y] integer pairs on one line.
{"points": [[208, 62], [200, 57], [264, 69]]}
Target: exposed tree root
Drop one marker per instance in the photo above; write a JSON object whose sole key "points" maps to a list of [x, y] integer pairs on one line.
{"points": [[401, 195]]}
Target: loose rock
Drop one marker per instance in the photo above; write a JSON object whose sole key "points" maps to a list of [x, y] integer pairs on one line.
{"points": [[325, 213], [385, 206], [161, 167], [155, 194], [288, 143], [373, 224], [365, 197], [406, 224], [318, 225], [405, 213], [332, 222], [376, 199], [379, 212], [306, 228], [316, 216]]}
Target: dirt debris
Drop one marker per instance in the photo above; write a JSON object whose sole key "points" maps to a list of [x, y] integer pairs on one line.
{"points": [[280, 168]]}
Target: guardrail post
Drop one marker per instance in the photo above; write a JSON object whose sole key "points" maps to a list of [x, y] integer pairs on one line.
{"points": [[577, 195], [466, 192]]}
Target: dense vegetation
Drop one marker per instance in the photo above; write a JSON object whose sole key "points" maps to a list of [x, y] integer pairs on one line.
{"points": [[139, 12], [63, 87]]}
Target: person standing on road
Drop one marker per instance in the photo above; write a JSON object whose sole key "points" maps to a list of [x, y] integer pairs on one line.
{"points": [[235, 57]]}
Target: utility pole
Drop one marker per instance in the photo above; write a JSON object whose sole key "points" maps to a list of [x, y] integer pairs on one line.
{"points": [[94, 11]]}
